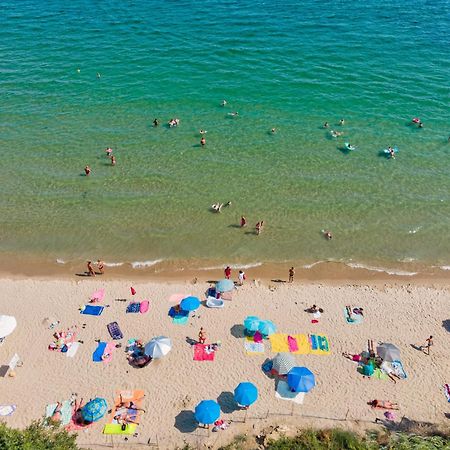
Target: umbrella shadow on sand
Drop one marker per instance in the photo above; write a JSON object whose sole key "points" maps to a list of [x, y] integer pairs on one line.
{"points": [[227, 402], [237, 331], [446, 325], [185, 422]]}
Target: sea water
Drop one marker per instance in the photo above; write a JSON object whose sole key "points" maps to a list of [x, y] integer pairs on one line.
{"points": [[77, 77]]}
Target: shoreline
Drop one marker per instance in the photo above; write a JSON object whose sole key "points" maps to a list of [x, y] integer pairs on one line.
{"points": [[332, 272]]}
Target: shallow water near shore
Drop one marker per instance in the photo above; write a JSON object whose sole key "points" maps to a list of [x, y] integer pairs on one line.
{"points": [[292, 67]]}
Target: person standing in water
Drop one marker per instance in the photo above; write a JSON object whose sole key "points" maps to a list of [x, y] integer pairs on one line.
{"points": [[90, 269], [241, 277], [155, 122], [113, 160], [101, 266], [203, 141], [341, 122], [243, 221], [87, 171], [227, 272], [259, 227], [291, 275]]}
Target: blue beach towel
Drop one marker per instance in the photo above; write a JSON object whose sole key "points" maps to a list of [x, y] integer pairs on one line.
{"points": [[173, 313], [92, 310], [114, 330], [134, 307], [97, 355]]}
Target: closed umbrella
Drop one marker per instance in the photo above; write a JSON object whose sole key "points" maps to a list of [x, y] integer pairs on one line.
{"points": [[246, 394], [158, 347], [94, 410], [388, 352], [283, 363], [251, 323], [301, 379], [7, 325], [207, 411], [189, 303], [224, 285], [266, 327]]}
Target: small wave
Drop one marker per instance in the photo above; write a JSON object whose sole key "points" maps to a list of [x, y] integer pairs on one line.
{"points": [[309, 266], [113, 264], [414, 230], [444, 267], [407, 260], [381, 269], [141, 264], [60, 261], [233, 266]]}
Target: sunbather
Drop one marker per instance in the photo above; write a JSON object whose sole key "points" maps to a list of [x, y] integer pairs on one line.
{"points": [[352, 357], [56, 416], [128, 404], [385, 404], [359, 311], [370, 348]]}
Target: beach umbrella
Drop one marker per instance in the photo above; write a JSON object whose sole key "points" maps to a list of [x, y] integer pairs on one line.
{"points": [[301, 379], [189, 303], [94, 410], [266, 327], [388, 352], [251, 323], [158, 347], [7, 325], [207, 411], [246, 394], [224, 285], [283, 363]]}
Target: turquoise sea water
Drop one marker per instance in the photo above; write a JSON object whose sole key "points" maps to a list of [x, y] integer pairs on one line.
{"points": [[289, 65]]}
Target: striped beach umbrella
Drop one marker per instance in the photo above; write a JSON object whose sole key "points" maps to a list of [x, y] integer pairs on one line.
{"points": [[283, 363]]}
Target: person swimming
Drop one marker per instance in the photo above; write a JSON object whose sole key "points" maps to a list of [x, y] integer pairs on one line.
{"points": [[108, 151], [87, 170], [223, 103], [202, 132], [341, 122], [203, 141], [233, 114], [336, 134], [155, 122], [273, 130], [217, 207], [326, 125]]}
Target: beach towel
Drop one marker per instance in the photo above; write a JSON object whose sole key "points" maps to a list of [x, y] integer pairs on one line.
{"points": [[92, 310], [120, 414], [319, 344], [180, 320], [394, 367], [292, 344], [134, 307], [97, 355], [145, 305], [108, 352], [200, 353], [7, 410], [447, 391], [355, 319], [73, 425], [72, 349], [66, 412], [283, 392], [114, 330], [279, 343], [380, 375], [252, 347], [97, 296]]}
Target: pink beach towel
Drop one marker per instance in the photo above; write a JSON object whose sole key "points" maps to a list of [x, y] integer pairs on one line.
{"points": [[200, 353], [98, 296], [108, 352], [292, 343]]}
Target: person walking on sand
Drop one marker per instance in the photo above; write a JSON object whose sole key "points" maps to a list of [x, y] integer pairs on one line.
{"points": [[90, 269], [101, 266], [227, 272], [243, 221], [429, 343], [87, 171], [241, 277], [291, 275], [201, 336]]}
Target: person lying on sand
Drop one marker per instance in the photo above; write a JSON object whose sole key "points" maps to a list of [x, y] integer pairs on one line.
{"points": [[385, 404], [128, 404], [352, 357]]}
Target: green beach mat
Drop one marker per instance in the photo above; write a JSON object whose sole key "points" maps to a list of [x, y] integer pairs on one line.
{"points": [[380, 375], [180, 320], [116, 428], [66, 412]]}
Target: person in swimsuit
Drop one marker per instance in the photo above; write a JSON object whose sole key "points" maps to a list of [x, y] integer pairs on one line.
{"points": [[108, 151], [341, 122], [90, 269], [56, 416], [201, 336], [87, 170], [224, 103], [326, 125], [203, 141], [101, 266], [155, 122], [243, 221], [328, 235], [291, 275], [385, 404], [113, 160]]}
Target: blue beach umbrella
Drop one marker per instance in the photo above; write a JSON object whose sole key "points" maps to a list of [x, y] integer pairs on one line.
{"points": [[94, 410], [251, 323], [301, 379], [267, 327], [224, 285], [207, 412], [189, 303], [246, 394]]}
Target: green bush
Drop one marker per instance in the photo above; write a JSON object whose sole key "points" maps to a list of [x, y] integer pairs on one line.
{"points": [[37, 436]]}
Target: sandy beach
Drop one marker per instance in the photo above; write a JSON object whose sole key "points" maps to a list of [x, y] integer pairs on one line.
{"points": [[400, 314]]}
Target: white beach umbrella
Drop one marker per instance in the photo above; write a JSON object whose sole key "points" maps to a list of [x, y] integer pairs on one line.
{"points": [[7, 325], [158, 347]]}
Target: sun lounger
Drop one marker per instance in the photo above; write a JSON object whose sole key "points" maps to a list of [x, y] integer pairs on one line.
{"points": [[200, 353], [212, 302], [92, 310], [114, 330]]}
